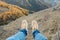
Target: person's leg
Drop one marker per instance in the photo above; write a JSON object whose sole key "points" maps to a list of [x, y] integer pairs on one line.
{"points": [[21, 35], [36, 34]]}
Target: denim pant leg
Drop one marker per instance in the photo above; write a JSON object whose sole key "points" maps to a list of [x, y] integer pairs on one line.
{"points": [[21, 35], [38, 36]]}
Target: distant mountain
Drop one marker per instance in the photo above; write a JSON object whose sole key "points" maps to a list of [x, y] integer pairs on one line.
{"points": [[33, 5]]}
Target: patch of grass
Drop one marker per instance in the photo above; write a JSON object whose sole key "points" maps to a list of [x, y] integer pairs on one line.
{"points": [[13, 13]]}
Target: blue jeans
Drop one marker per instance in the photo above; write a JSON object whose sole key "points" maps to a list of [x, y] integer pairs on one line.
{"points": [[21, 35]]}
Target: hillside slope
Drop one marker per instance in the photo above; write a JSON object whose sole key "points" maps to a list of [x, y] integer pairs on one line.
{"points": [[48, 20], [10, 12]]}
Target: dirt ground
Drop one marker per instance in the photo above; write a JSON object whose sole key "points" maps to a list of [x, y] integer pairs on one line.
{"points": [[48, 20]]}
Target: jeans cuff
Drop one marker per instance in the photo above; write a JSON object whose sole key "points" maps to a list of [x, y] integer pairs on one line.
{"points": [[24, 31], [35, 33]]}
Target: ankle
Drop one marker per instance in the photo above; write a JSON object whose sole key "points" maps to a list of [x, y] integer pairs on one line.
{"points": [[24, 31], [35, 32]]}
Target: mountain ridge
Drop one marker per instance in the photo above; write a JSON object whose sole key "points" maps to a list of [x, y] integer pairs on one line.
{"points": [[31, 5]]}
